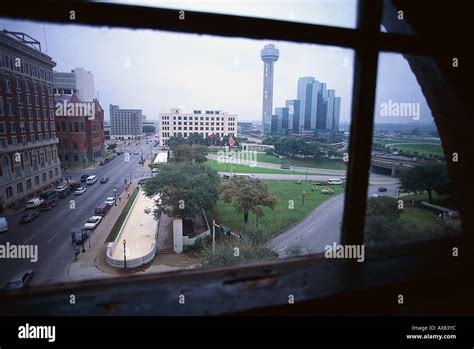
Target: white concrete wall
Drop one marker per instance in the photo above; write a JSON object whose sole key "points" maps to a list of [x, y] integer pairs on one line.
{"points": [[178, 235]]}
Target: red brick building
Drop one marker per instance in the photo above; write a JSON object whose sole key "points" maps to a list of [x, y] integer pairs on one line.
{"points": [[80, 129]]}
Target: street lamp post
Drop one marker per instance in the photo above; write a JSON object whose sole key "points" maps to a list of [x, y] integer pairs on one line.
{"points": [[306, 174], [124, 254], [115, 196], [302, 202]]}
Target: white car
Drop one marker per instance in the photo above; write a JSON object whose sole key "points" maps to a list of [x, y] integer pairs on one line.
{"points": [[61, 188], [374, 195], [92, 222], [34, 203], [110, 201], [80, 191]]}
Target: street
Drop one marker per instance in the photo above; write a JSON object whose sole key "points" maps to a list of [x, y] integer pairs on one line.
{"points": [[51, 230], [321, 227]]}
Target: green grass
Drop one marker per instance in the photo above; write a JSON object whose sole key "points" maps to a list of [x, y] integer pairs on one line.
{"points": [[282, 216], [224, 167], [423, 149], [118, 224], [108, 153], [419, 217], [324, 164]]}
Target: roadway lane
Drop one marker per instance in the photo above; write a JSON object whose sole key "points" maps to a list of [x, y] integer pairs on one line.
{"points": [[51, 230], [321, 227]]}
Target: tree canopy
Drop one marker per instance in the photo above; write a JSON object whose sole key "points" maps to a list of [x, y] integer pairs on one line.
{"points": [[183, 188], [193, 153], [247, 195], [429, 178]]}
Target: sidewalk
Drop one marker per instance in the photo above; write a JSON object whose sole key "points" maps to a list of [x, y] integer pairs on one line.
{"points": [[92, 263]]}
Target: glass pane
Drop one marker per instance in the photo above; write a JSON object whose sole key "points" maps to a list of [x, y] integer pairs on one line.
{"points": [[251, 135], [337, 13], [410, 192]]}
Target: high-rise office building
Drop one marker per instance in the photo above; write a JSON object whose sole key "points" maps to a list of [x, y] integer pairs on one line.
{"points": [[269, 55], [125, 123], [280, 120], [293, 106], [78, 81], [29, 161], [304, 95]]}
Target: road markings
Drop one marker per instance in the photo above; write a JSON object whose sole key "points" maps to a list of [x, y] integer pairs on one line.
{"points": [[31, 237], [52, 237], [284, 248], [309, 231]]}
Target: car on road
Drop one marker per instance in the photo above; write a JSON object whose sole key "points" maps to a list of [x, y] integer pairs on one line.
{"points": [[91, 179], [285, 167], [79, 235], [110, 201], [136, 153], [141, 162], [73, 186], [374, 195], [3, 224], [382, 189], [92, 222], [80, 191], [61, 188], [104, 180], [84, 178], [29, 217], [48, 204], [102, 209], [20, 280], [327, 191], [34, 203]]}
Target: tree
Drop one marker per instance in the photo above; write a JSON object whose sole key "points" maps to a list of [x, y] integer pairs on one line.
{"points": [[192, 153], [173, 142], [246, 195], [196, 138], [184, 188], [429, 178]]}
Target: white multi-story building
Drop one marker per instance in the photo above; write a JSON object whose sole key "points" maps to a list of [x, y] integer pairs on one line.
{"points": [[125, 123], [176, 123], [78, 81]]}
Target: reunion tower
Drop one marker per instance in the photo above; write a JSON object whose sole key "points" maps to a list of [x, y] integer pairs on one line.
{"points": [[269, 55]]}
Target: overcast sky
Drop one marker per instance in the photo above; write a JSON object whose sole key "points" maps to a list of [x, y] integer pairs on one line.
{"points": [[156, 71]]}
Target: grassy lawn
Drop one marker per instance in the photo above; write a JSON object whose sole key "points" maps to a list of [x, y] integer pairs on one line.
{"points": [[324, 164], [282, 216], [419, 217], [423, 149], [440, 200], [118, 224], [223, 167]]}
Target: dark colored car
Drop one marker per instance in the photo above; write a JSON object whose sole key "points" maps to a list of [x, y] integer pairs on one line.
{"points": [[74, 186], [29, 217], [383, 189], [141, 162], [48, 205], [285, 167], [101, 163], [104, 180], [84, 178]]}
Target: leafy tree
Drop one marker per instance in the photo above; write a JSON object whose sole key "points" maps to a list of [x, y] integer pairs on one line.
{"points": [[429, 178], [196, 138], [173, 142], [247, 195], [184, 188], [193, 153]]}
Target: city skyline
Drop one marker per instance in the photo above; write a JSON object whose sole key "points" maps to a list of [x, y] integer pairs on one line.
{"points": [[157, 71]]}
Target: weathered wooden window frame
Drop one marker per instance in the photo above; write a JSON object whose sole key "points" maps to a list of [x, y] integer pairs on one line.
{"points": [[213, 290]]}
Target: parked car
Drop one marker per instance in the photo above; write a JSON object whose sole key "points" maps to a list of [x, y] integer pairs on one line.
{"points": [[34, 203], [29, 217], [61, 188], [3, 224], [110, 201], [20, 280], [382, 189], [374, 195], [285, 167], [141, 162], [327, 191], [48, 204], [102, 209], [101, 163], [104, 180], [79, 235], [64, 194], [84, 178], [92, 222], [80, 191], [73, 186]]}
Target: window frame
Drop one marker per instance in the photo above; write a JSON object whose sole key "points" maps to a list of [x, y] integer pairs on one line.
{"points": [[367, 42]]}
